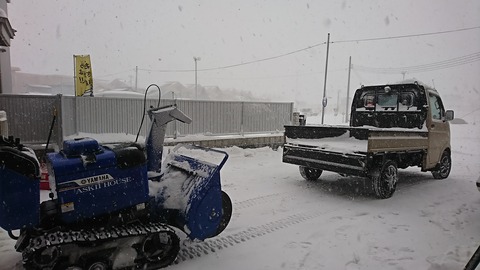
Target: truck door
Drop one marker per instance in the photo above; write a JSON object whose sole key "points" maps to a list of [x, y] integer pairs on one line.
{"points": [[439, 130]]}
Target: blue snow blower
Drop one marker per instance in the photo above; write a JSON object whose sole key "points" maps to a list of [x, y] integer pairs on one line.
{"points": [[106, 198], [191, 190]]}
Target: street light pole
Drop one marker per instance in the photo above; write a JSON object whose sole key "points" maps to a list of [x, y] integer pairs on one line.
{"points": [[196, 90]]}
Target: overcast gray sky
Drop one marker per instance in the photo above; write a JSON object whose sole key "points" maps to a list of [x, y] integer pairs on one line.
{"points": [[159, 36]]}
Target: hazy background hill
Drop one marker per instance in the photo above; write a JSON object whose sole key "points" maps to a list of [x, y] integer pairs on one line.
{"points": [[59, 84]]}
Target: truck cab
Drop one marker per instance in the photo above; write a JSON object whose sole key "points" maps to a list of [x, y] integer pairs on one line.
{"points": [[439, 131], [406, 106]]}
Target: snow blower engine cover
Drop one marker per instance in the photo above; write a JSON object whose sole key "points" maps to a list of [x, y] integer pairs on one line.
{"points": [[19, 175], [93, 180]]}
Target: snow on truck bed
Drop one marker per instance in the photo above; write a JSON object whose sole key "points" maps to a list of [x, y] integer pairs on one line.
{"points": [[341, 144], [346, 144]]}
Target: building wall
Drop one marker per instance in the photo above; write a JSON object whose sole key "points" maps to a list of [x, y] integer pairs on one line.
{"points": [[6, 72], [5, 65]]}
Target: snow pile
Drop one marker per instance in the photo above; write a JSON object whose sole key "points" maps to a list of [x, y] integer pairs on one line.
{"points": [[107, 137], [169, 191], [210, 156], [180, 181]]}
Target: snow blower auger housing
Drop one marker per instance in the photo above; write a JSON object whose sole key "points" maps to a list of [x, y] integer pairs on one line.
{"points": [[111, 200]]}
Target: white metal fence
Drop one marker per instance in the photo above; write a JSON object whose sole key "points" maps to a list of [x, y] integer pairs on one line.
{"points": [[30, 117]]}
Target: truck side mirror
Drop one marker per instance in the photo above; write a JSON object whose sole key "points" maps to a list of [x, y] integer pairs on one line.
{"points": [[449, 115]]}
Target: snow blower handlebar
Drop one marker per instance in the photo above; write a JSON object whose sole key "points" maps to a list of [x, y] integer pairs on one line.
{"points": [[145, 106]]}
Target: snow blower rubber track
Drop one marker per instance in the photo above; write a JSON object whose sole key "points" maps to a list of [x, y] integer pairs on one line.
{"points": [[155, 244]]}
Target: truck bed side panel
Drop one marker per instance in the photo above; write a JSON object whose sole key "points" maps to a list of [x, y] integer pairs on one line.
{"points": [[324, 160], [382, 141], [331, 148]]}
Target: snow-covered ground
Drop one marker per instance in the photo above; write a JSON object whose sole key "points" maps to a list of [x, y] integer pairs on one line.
{"points": [[281, 221]]}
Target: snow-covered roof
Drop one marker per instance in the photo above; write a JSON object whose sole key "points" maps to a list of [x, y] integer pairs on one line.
{"points": [[118, 94]]}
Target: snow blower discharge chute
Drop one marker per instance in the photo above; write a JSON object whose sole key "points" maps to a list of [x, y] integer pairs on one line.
{"points": [[111, 200]]}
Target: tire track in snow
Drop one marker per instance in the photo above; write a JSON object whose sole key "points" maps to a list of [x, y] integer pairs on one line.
{"points": [[196, 250], [258, 200]]}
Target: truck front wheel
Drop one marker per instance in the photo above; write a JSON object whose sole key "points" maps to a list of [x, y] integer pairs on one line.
{"points": [[310, 174], [384, 180], [443, 168]]}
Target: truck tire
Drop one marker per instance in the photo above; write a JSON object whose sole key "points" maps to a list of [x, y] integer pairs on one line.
{"points": [[383, 180], [98, 266], [443, 168], [310, 174]]}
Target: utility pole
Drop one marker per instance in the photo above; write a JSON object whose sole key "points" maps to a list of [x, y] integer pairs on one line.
{"points": [[324, 100], [196, 90], [175, 131], [136, 78], [348, 88]]}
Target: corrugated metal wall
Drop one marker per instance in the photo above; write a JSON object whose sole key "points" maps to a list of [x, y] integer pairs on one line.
{"points": [[30, 117]]}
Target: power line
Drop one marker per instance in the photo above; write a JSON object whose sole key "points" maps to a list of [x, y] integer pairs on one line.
{"points": [[112, 74], [476, 110], [407, 36], [458, 61], [268, 58], [440, 66], [277, 76], [242, 64], [313, 46], [397, 71], [167, 70], [449, 61]]}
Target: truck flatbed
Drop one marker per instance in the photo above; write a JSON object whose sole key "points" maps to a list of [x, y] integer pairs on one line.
{"points": [[346, 149]]}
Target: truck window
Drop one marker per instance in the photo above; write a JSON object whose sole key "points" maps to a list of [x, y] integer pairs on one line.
{"points": [[369, 102], [406, 101], [366, 102], [436, 107], [387, 102], [403, 101]]}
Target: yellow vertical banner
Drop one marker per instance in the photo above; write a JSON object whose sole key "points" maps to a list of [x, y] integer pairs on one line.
{"points": [[83, 74]]}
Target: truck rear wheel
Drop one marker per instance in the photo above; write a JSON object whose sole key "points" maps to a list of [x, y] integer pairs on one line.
{"points": [[384, 180], [443, 169], [310, 174], [98, 266]]}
